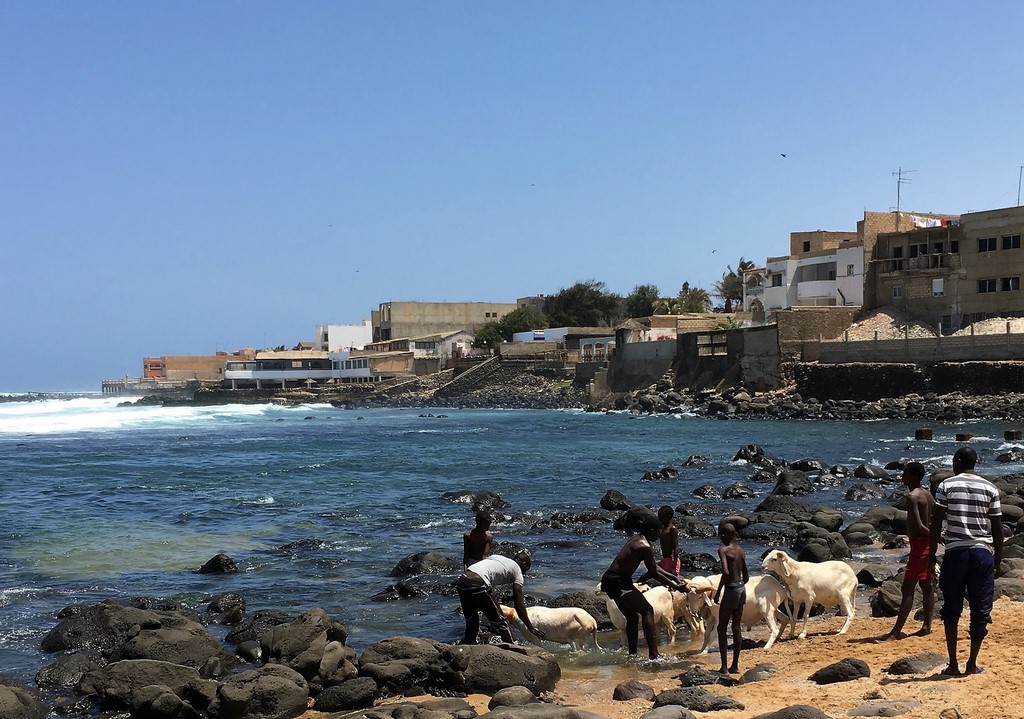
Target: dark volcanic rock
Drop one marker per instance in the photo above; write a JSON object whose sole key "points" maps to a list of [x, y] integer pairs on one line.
{"points": [[616, 501], [68, 670], [791, 482], [707, 491], [797, 711], [18, 701], [253, 628], [636, 519], [272, 692], [355, 693], [429, 562], [739, 490], [218, 564], [870, 471], [696, 698], [844, 670]]}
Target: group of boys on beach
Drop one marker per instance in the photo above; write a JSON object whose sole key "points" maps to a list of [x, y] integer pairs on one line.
{"points": [[964, 514]]}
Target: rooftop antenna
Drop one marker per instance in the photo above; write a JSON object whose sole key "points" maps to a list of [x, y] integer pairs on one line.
{"points": [[900, 180]]}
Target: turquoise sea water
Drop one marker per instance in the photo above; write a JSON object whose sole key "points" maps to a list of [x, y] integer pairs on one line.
{"points": [[101, 501]]}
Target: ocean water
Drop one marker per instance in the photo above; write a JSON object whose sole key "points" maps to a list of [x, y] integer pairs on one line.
{"points": [[317, 504]]}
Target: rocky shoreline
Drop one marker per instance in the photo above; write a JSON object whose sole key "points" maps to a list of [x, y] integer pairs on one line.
{"points": [[159, 659]]}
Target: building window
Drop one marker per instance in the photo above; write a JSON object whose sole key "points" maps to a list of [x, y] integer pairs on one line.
{"points": [[954, 247], [938, 287], [987, 244], [897, 292], [1009, 284], [777, 280], [807, 246], [937, 248], [849, 270], [987, 285], [1011, 242]]}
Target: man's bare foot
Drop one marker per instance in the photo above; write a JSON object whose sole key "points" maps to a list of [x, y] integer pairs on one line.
{"points": [[723, 670], [923, 632], [734, 670], [892, 636], [975, 669], [952, 671]]}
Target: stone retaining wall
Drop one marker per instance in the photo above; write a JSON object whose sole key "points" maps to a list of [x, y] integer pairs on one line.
{"points": [[871, 381]]}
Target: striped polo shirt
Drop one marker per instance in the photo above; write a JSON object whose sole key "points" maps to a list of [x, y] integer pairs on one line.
{"points": [[970, 502]]}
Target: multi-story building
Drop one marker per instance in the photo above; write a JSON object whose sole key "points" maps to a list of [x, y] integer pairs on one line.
{"points": [[395, 320], [179, 368], [334, 338], [308, 368], [953, 273], [825, 268]]}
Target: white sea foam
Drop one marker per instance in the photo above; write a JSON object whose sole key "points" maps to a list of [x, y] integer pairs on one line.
{"points": [[259, 500], [49, 417]]}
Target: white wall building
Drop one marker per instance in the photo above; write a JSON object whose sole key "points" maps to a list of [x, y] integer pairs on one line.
{"points": [[334, 338], [298, 368]]}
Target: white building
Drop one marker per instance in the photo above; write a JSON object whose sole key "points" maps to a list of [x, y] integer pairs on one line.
{"points": [[298, 369], [334, 338]]}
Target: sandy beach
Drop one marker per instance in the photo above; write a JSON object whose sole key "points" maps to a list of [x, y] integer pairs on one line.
{"points": [[985, 696]]}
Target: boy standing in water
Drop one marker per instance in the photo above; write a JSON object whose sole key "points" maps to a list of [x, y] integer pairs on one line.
{"points": [[919, 569], [731, 596], [476, 543], [617, 583], [669, 541]]}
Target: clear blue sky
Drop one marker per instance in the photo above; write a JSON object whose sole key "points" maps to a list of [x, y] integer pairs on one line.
{"points": [[180, 178]]}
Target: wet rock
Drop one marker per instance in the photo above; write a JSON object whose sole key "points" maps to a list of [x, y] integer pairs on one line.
{"points": [[707, 491], [768, 534], [696, 460], [116, 685], [829, 519], [401, 590], [844, 670], [738, 490], [479, 501], [589, 601], [870, 471], [785, 505], [765, 475], [813, 466], [863, 493], [873, 575], [490, 668], [68, 670], [616, 501], [429, 562], [253, 628], [218, 564], [792, 482], [230, 606], [690, 527]]}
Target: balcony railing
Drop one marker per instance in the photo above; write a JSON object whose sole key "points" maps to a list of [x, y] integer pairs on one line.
{"points": [[944, 261]]}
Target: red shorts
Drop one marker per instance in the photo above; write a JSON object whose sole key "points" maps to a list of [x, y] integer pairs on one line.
{"points": [[918, 566], [670, 565]]}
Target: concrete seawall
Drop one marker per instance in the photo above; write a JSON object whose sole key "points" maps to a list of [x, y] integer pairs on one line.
{"points": [[872, 381]]}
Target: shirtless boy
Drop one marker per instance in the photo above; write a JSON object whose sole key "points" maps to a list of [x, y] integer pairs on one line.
{"points": [[669, 541], [731, 595], [919, 570], [476, 543], [617, 583]]}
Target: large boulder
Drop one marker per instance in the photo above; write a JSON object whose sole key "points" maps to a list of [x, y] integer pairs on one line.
{"points": [[272, 692], [119, 685], [615, 500], [300, 645], [490, 668], [792, 482], [781, 504], [18, 701], [252, 629], [797, 711], [103, 626], [218, 564], [429, 562], [190, 645], [632, 689], [410, 665], [917, 663], [870, 471]]}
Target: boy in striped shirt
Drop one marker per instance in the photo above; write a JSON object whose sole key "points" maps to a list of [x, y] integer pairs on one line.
{"points": [[968, 506]]}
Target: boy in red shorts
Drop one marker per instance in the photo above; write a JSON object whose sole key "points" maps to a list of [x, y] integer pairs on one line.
{"points": [[919, 569]]}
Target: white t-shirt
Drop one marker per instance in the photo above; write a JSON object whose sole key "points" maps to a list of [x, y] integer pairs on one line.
{"points": [[498, 570]]}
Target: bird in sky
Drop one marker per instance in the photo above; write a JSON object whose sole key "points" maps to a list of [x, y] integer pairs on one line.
{"points": [[783, 154]]}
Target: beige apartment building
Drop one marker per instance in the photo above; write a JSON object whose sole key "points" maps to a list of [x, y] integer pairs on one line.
{"points": [[954, 273], [397, 320]]}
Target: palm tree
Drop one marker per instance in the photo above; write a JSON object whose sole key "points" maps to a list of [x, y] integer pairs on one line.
{"points": [[730, 287], [694, 299]]}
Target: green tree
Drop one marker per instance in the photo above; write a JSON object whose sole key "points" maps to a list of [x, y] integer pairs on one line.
{"points": [[585, 304], [487, 336], [694, 299], [667, 306], [730, 287], [641, 301], [521, 319]]}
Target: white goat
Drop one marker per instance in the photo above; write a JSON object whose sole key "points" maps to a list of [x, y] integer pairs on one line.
{"points": [[667, 606], [830, 584], [563, 625], [766, 598]]}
